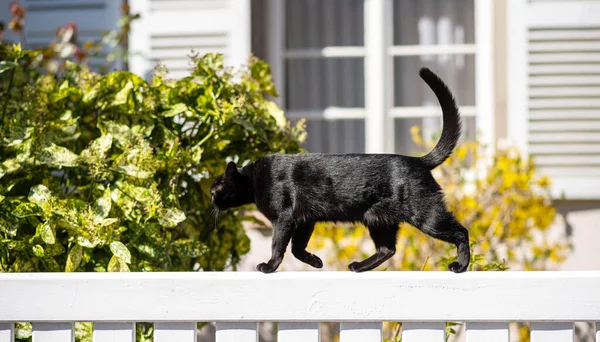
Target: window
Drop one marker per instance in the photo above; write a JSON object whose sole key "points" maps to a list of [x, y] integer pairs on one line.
{"points": [[351, 67]]}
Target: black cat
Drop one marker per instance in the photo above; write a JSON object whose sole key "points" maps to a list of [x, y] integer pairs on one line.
{"points": [[379, 190]]}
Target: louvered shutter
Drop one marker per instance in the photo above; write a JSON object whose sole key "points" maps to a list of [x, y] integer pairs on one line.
{"points": [[554, 90], [93, 17], [170, 29]]}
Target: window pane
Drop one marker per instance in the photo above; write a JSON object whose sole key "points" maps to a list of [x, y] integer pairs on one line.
{"points": [[320, 83], [335, 136], [426, 22], [260, 26], [320, 23], [457, 71], [430, 128]]}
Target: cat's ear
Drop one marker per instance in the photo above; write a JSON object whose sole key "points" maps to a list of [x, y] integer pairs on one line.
{"points": [[231, 169]]}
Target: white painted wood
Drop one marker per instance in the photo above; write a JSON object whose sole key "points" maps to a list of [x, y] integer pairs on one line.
{"points": [[53, 332], [139, 39], [554, 34], [568, 160], [597, 331], [301, 296], [239, 33], [564, 149], [423, 332], [438, 49], [487, 332], [204, 4], [563, 13], [577, 114], [330, 113], [237, 332], [565, 57], [429, 111], [484, 73], [361, 332], [564, 80], [379, 127], [276, 38], [180, 332], [540, 69], [551, 332], [114, 332], [298, 332], [565, 125], [593, 45], [566, 137], [226, 22], [580, 188], [561, 173], [556, 52], [328, 52], [517, 67], [575, 91], [7, 332], [564, 103]]}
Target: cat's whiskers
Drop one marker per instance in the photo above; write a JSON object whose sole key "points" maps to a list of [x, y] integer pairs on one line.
{"points": [[215, 212]]}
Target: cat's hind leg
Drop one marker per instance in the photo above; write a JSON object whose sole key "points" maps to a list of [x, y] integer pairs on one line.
{"points": [[443, 225], [300, 241], [384, 237]]}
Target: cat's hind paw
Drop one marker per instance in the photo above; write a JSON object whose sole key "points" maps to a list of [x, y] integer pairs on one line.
{"points": [[457, 268]]}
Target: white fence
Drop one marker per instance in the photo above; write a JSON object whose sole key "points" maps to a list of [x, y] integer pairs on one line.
{"points": [[236, 301]]}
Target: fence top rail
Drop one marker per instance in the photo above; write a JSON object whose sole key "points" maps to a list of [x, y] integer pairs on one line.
{"points": [[301, 296]]}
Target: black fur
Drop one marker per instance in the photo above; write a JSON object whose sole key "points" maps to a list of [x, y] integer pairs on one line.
{"points": [[380, 190]]}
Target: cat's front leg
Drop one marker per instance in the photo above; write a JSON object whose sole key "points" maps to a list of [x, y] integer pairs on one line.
{"points": [[283, 229]]}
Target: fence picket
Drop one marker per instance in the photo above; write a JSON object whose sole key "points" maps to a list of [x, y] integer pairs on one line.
{"points": [[552, 332], [488, 332], [597, 331], [7, 332], [423, 332], [237, 332], [114, 332], [180, 332], [361, 332], [298, 332], [53, 332]]}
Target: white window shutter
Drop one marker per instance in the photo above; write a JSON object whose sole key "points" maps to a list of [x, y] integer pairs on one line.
{"points": [[554, 90], [169, 30], [93, 17]]}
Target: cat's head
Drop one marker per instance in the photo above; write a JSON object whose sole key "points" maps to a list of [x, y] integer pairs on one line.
{"points": [[231, 189]]}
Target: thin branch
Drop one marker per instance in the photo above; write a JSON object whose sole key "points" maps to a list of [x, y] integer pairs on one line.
{"points": [[6, 95]]}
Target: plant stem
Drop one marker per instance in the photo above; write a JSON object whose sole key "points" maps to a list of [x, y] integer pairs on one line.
{"points": [[6, 95]]}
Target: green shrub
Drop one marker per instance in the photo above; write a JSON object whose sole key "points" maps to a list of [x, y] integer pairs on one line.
{"points": [[111, 173]]}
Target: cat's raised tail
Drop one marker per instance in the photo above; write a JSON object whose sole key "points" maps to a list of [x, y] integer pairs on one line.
{"points": [[451, 128]]}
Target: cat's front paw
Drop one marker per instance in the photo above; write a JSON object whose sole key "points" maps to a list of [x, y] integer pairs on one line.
{"points": [[457, 268], [265, 268], [316, 262]]}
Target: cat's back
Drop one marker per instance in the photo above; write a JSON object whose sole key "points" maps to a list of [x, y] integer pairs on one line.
{"points": [[304, 167]]}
